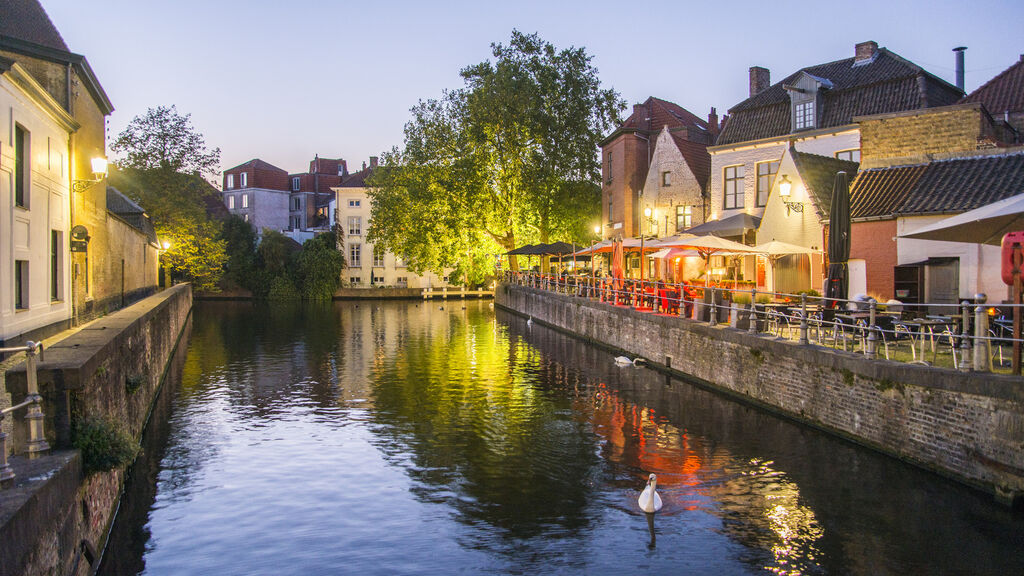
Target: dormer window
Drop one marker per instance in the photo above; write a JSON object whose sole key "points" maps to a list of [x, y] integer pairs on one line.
{"points": [[806, 95], [803, 115]]}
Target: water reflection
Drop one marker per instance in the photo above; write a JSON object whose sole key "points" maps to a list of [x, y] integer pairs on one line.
{"points": [[369, 437]]}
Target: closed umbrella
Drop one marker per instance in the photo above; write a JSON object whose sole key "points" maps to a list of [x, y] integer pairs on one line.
{"points": [[837, 283], [618, 261]]}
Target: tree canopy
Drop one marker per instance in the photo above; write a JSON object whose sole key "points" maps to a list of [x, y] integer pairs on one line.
{"points": [[163, 139], [510, 158]]}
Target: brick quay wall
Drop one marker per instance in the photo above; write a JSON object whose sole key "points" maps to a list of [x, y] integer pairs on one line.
{"points": [[55, 519], [968, 426]]}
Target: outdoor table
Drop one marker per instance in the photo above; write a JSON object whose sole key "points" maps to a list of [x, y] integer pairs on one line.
{"points": [[928, 325]]}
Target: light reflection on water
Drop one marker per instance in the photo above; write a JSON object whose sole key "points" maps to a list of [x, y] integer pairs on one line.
{"points": [[398, 437]]}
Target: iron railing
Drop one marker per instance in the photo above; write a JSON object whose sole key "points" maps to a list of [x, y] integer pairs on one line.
{"points": [[34, 415]]}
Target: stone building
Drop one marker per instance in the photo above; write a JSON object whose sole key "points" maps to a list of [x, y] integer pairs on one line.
{"points": [[656, 159], [67, 257]]}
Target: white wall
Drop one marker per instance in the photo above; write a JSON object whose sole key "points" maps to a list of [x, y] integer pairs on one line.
{"points": [[25, 232], [979, 264], [683, 189]]}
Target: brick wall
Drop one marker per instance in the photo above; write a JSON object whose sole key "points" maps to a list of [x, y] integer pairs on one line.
{"points": [[683, 188], [623, 182], [899, 138], [968, 426], [874, 242]]}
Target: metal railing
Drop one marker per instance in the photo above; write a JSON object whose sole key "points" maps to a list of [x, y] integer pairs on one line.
{"points": [[34, 415], [964, 331]]}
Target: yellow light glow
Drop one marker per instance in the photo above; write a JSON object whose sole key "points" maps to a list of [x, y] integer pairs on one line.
{"points": [[785, 187], [166, 245], [99, 166]]}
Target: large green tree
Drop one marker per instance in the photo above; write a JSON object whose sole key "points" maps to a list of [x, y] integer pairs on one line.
{"points": [[508, 159], [162, 162]]}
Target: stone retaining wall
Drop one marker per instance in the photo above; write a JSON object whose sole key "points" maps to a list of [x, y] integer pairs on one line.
{"points": [[964, 425], [113, 367]]}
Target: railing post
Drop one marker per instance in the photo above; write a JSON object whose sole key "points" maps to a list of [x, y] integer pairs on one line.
{"points": [[871, 349], [6, 472], [713, 316], [803, 319], [965, 336], [980, 333], [753, 311], [36, 437]]}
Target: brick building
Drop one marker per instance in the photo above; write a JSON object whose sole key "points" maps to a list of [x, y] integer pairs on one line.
{"points": [[257, 191], [656, 159]]}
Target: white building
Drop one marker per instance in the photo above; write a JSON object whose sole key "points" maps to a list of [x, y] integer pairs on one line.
{"points": [[35, 277]]}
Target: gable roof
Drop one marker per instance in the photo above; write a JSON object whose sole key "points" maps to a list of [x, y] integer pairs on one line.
{"points": [[938, 187], [696, 156], [356, 179], [1004, 93], [256, 164], [124, 208], [27, 20], [888, 83], [818, 174]]}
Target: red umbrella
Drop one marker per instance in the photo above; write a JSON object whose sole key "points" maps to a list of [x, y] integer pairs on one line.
{"points": [[618, 261]]}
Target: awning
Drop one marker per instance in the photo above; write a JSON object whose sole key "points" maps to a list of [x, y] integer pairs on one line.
{"points": [[735, 225]]}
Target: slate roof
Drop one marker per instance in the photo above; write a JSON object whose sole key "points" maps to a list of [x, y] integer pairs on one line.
{"points": [[26, 20], [696, 156], [356, 179], [130, 212], [818, 174], [256, 164], [939, 187], [887, 84], [1003, 93]]}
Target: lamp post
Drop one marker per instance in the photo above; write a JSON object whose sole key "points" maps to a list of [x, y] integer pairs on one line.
{"points": [[164, 247], [593, 267]]}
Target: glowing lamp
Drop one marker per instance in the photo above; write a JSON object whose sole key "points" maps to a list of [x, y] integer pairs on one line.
{"points": [[99, 167]]}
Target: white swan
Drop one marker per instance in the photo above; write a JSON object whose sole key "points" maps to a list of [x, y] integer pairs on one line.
{"points": [[623, 361], [649, 500], [529, 322]]}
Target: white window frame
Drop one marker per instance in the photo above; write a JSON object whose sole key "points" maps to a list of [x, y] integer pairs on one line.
{"points": [[355, 255], [803, 115], [684, 217], [296, 183], [355, 225], [734, 187], [245, 200], [764, 181], [231, 182], [231, 201], [245, 179]]}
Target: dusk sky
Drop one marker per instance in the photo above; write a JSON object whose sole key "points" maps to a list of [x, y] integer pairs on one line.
{"points": [[284, 80]]}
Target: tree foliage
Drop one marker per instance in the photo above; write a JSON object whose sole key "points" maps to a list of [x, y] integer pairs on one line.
{"points": [[165, 140], [510, 158]]}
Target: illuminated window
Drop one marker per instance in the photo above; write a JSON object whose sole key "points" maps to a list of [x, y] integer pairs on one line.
{"points": [[765, 173], [734, 186], [684, 217]]}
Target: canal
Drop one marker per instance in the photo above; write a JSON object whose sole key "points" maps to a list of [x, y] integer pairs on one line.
{"points": [[413, 437]]}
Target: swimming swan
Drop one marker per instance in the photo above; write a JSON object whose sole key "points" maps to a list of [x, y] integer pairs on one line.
{"points": [[649, 500], [623, 361]]}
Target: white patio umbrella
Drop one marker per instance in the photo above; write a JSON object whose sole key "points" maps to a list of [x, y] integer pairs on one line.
{"points": [[775, 250], [985, 225], [706, 246]]}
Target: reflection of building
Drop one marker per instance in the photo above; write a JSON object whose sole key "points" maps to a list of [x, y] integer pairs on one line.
{"points": [[364, 265], [62, 254], [656, 159]]}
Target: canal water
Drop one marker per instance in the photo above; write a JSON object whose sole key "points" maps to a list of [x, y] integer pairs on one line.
{"points": [[412, 437]]}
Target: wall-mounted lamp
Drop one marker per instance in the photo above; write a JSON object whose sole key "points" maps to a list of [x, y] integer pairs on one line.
{"points": [[785, 188], [99, 172], [166, 245]]}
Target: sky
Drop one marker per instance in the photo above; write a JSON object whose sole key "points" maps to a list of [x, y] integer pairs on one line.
{"points": [[286, 80]]}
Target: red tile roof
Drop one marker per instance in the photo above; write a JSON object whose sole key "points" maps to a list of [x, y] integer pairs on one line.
{"points": [[256, 164], [356, 179], [1004, 93]]}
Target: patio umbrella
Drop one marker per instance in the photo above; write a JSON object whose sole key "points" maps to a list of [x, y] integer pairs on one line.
{"points": [[838, 279], [985, 225], [775, 250], [707, 246], [618, 261]]}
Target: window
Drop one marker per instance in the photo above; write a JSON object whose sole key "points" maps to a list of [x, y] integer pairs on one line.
{"points": [[609, 210], [378, 258], [21, 284], [402, 281], [231, 202], [231, 182], [296, 203], [245, 198], [851, 155], [245, 180], [20, 167], [296, 222], [608, 168], [355, 279], [399, 262], [354, 203], [56, 264], [354, 252], [684, 217], [377, 279], [355, 226], [296, 183], [803, 115], [666, 178], [765, 174], [734, 186]]}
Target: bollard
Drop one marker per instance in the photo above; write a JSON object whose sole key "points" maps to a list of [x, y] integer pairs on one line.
{"points": [[6, 472], [803, 319], [871, 348], [37, 440], [965, 336], [713, 317], [753, 311], [980, 333]]}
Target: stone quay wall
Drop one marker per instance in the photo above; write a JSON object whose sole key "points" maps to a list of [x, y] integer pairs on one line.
{"points": [[55, 520], [968, 426]]}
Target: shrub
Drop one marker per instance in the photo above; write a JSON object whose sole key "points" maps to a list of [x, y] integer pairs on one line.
{"points": [[105, 444], [282, 288]]}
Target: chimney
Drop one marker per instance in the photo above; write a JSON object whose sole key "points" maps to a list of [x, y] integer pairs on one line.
{"points": [[373, 161], [960, 66], [713, 123], [760, 80], [364, 165], [865, 52]]}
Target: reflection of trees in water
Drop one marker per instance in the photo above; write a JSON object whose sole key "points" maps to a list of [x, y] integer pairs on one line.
{"points": [[488, 428]]}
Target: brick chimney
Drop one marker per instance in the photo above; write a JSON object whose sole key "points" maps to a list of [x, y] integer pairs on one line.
{"points": [[760, 80], [865, 51], [713, 123], [373, 161]]}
